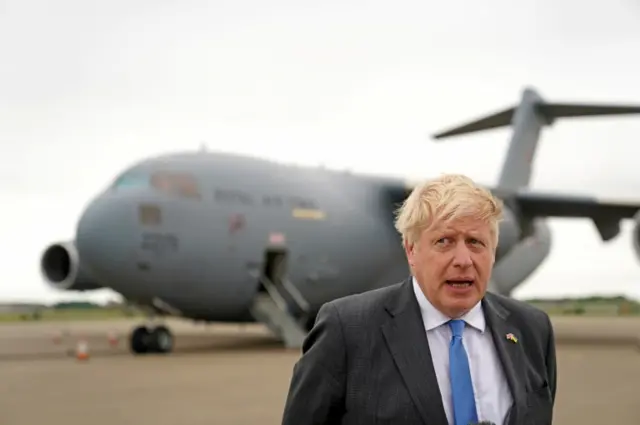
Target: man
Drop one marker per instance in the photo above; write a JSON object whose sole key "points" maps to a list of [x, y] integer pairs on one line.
{"points": [[435, 349]]}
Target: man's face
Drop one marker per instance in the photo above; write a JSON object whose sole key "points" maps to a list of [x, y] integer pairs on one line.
{"points": [[452, 263]]}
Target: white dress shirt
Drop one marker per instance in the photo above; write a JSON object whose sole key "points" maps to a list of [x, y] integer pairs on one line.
{"points": [[492, 394]]}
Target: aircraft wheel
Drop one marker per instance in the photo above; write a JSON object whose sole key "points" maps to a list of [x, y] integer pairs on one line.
{"points": [[161, 340], [139, 340]]}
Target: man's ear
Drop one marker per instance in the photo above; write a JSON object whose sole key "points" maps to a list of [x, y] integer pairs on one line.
{"points": [[409, 249]]}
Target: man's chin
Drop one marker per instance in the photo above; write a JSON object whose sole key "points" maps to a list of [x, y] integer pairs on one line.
{"points": [[458, 304]]}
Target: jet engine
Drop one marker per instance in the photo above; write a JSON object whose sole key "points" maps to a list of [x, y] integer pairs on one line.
{"points": [[61, 267], [509, 232], [520, 259], [635, 235]]}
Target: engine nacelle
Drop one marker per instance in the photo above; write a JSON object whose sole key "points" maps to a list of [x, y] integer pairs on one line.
{"points": [[509, 233], [635, 235], [61, 268], [522, 259]]}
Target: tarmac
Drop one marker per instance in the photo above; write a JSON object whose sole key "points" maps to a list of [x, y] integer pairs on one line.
{"points": [[232, 374]]}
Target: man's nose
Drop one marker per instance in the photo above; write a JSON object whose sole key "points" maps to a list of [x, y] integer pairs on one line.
{"points": [[462, 256]]}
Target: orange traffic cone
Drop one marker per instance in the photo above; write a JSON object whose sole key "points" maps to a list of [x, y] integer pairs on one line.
{"points": [[82, 350]]}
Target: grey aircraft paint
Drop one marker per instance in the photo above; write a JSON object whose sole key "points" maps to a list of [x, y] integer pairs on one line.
{"points": [[189, 234]]}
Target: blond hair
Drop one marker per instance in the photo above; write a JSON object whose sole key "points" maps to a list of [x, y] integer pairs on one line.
{"points": [[447, 198]]}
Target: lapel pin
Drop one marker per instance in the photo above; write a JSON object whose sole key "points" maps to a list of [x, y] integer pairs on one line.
{"points": [[511, 337]]}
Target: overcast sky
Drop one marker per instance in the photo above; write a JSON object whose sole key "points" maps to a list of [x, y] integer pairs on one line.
{"points": [[88, 87]]}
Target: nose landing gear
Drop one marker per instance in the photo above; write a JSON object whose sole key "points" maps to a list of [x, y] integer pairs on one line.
{"points": [[147, 340]]}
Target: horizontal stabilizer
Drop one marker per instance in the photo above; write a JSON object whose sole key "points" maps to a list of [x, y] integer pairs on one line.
{"points": [[605, 214], [547, 113], [499, 119], [566, 110]]}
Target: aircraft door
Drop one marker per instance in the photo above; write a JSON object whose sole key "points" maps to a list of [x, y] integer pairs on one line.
{"points": [[274, 266], [275, 279]]}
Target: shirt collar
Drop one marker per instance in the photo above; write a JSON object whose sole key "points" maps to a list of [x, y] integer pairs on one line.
{"points": [[433, 318]]}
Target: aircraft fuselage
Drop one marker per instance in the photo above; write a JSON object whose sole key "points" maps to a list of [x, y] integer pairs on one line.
{"points": [[199, 248]]}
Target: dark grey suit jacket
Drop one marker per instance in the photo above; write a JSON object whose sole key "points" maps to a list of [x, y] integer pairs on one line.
{"points": [[367, 361]]}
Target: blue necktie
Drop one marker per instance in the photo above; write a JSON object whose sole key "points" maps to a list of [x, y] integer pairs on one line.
{"points": [[464, 405]]}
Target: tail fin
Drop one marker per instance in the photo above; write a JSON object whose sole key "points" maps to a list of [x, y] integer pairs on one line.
{"points": [[527, 119]]}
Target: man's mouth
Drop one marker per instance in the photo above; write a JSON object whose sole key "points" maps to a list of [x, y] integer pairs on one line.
{"points": [[459, 283]]}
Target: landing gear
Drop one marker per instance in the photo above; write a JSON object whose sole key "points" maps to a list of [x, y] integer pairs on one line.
{"points": [[157, 339]]}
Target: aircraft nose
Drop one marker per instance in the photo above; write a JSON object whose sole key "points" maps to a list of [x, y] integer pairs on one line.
{"points": [[104, 230]]}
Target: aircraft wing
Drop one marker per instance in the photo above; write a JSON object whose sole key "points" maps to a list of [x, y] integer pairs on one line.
{"points": [[606, 214]]}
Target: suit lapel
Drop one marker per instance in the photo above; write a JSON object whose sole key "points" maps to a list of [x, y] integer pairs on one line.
{"points": [[407, 340], [510, 352]]}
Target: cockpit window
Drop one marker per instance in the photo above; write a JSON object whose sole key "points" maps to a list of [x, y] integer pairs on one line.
{"points": [[173, 183], [131, 180]]}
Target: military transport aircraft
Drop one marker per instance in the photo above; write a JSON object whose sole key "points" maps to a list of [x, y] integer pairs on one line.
{"points": [[227, 238]]}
